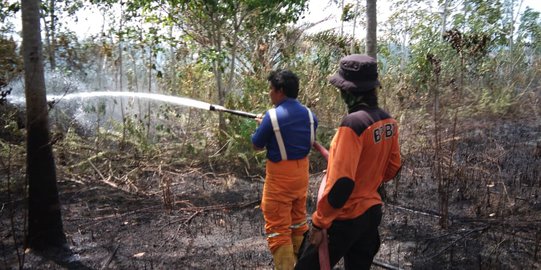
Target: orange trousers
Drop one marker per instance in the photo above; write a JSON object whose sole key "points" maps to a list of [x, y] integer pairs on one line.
{"points": [[284, 201]]}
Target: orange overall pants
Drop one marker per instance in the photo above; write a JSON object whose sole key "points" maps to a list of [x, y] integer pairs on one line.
{"points": [[284, 201]]}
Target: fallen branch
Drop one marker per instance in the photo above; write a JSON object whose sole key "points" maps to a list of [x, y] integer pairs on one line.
{"points": [[385, 265], [192, 216], [425, 213], [106, 263], [199, 210], [101, 219], [454, 242], [65, 179], [105, 180], [220, 206], [87, 160]]}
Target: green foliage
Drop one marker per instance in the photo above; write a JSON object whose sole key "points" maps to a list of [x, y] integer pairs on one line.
{"points": [[11, 63], [483, 17], [98, 109], [137, 134], [221, 51], [348, 13], [529, 31], [10, 122], [8, 10], [496, 101], [239, 144]]}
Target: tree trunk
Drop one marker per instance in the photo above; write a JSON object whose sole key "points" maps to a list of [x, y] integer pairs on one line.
{"points": [[444, 14], [371, 28], [221, 93], [50, 32], [218, 73], [52, 45], [511, 29], [341, 20], [233, 51], [44, 218], [149, 115], [120, 75], [352, 45]]}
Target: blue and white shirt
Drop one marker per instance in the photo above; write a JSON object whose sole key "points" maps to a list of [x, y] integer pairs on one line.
{"points": [[294, 122]]}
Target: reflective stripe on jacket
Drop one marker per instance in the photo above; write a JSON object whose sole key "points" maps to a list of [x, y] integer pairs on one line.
{"points": [[294, 123]]}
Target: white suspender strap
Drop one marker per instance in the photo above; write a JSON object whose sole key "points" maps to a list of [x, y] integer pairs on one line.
{"points": [[276, 128], [312, 132]]}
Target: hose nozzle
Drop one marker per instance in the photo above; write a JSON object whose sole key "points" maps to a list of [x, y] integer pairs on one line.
{"points": [[219, 108]]}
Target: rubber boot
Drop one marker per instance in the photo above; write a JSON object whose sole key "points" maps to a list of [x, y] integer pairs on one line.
{"points": [[297, 242], [284, 259]]}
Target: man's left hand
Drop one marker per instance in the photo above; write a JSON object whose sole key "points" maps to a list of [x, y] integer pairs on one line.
{"points": [[259, 118]]}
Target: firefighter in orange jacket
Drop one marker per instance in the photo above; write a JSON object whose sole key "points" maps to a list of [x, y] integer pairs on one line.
{"points": [[287, 131], [363, 153]]}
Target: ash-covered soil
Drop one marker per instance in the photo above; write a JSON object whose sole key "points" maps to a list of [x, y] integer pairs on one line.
{"points": [[193, 218]]}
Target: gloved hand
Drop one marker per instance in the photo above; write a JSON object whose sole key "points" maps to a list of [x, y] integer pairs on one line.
{"points": [[315, 235]]}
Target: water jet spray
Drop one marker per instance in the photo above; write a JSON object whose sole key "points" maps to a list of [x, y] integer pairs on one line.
{"points": [[53, 99]]}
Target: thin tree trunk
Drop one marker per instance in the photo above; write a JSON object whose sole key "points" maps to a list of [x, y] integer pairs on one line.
{"points": [[44, 218], [511, 29], [218, 73], [230, 80], [352, 45], [221, 93], [149, 117], [140, 103], [444, 17], [102, 59], [52, 28], [371, 28], [341, 20], [173, 57], [120, 82]]}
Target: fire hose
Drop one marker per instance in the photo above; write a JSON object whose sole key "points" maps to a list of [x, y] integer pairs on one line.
{"points": [[219, 108], [323, 249]]}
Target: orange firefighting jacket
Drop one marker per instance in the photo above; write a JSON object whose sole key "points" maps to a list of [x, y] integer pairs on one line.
{"points": [[363, 153]]}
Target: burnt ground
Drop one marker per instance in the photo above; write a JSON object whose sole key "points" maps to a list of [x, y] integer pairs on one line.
{"points": [[191, 217]]}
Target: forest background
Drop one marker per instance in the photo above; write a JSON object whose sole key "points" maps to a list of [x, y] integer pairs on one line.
{"points": [[487, 50], [449, 70]]}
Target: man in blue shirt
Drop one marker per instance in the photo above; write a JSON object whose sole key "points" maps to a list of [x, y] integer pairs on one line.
{"points": [[287, 131]]}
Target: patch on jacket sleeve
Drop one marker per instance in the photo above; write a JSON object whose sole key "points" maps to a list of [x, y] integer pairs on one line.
{"points": [[340, 192]]}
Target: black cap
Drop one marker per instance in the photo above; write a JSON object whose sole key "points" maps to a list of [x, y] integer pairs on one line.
{"points": [[357, 74]]}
